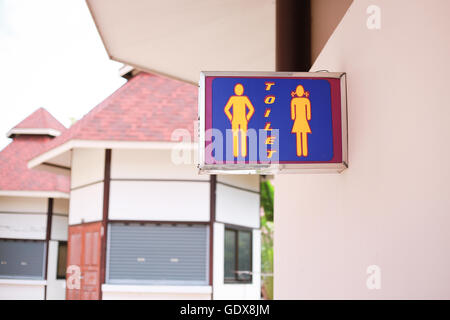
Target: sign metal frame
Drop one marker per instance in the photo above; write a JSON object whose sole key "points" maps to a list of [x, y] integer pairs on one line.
{"points": [[252, 168]]}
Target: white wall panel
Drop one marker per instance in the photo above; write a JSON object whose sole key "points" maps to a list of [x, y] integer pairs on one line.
{"points": [[88, 165], [23, 226], [235, 291], [86, 204], [159, 200], [61, 206], [237, 206], [11, 289], [150, 164], [56, 289], [23, 204], [144, 292], [59, 227], [250, 182]]}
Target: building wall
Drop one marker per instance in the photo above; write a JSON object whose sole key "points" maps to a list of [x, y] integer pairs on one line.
{"points": [[154, 200], [325, 16], [133, 292], [60, 219], [11, 289], [237, 203], [146, 185], [23, 217], [390, 207], [237, 206], [56, 288], [26, 218], [88, 169], [234, 291], [88, 166], [150, 164]]}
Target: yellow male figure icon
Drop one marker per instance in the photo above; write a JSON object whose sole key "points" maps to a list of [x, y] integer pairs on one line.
{"points": [[301, 114], [239, 118]]}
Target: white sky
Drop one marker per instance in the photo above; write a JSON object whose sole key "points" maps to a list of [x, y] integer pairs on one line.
{"points": [[51, 56]]}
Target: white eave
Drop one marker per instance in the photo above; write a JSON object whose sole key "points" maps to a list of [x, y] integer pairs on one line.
{"points": [[181, 38], [35, 131], [35, 194], [58, 159]]}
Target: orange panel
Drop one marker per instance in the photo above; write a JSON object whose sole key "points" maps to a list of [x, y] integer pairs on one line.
{"points": [[84, 260]]}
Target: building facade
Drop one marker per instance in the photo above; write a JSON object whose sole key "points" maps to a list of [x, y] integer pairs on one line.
{"points": [[378, 230], [142, 223], [33, 215]]}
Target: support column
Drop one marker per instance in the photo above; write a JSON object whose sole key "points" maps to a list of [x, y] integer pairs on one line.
{"points": [[48, 235], [293, 35], [212, 219], [106, 188]]}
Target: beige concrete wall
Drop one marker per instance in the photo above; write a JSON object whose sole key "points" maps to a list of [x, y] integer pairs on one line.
{"points": [[391, 207]]}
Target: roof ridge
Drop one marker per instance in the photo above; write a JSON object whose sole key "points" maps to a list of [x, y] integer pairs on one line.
{"points": [[40, 119], [147, 108]]}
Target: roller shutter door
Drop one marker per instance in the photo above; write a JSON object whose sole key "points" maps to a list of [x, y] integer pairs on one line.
{"points": [[22, 259], [161, 254]]}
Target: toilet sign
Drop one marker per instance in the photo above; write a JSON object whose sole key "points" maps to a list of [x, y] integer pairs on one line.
{"points": [[265, 123]]}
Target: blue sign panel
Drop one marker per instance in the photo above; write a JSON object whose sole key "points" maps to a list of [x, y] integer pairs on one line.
{"points": [[277, 112], [273, 119]]}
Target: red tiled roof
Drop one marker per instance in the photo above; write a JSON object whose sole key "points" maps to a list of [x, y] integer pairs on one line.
{"points": [[146, 108], [14, 173], [40, 119]]}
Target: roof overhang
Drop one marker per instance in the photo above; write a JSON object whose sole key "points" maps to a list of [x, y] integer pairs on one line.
{"points": [[35, 194], [58, 159], [181, 38], [33, 131]]}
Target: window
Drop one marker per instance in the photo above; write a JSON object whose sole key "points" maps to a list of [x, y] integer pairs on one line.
{"points": [[238, 256], [158, 254], [62, 260], [22, 259]]}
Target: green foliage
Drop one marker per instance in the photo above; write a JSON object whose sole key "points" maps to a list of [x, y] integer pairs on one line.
{"points": [[72, 121], [267, 192], [267, 199]]}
